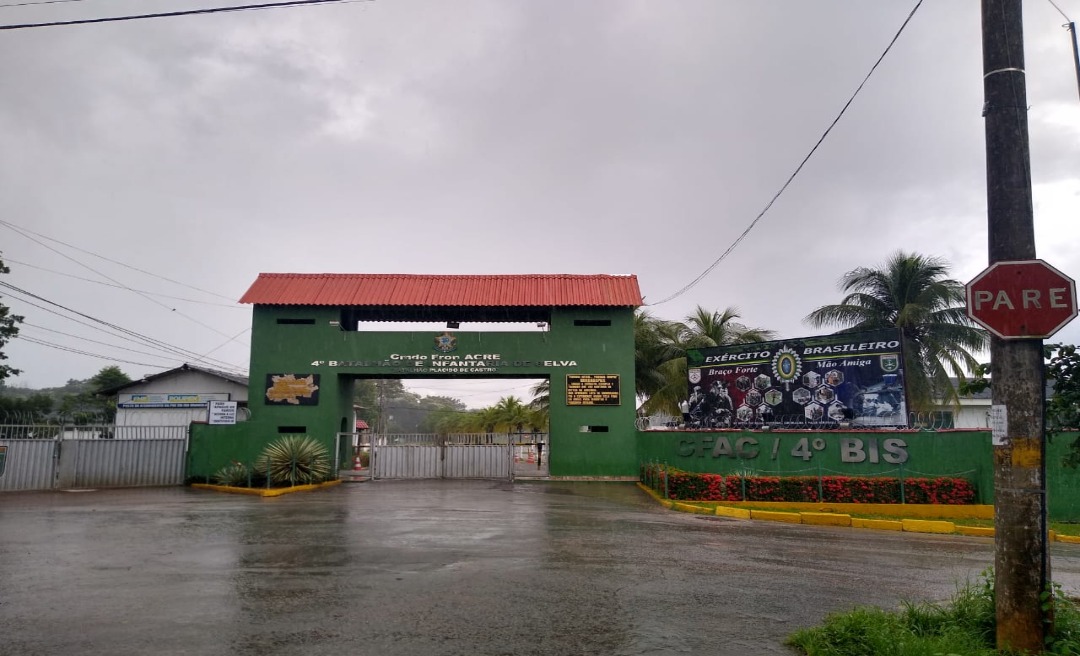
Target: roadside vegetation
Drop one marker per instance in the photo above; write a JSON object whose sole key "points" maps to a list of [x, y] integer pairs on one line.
{"points": [[286, 462], [964, 626]]}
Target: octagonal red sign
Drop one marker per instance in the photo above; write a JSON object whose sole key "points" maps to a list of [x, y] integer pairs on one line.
{"points": [[1021, 300]]}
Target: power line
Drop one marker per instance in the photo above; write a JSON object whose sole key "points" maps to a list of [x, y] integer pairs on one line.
{"points": [[186, 12], [107, 259], [799, 168], [116, 286], [37, 2], [113, 280], [147, 340], [110, 358], [82, 323], [1059, 10], [94, 341]]}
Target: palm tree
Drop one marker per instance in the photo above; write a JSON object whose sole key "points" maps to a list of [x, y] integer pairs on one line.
{"points": [[540, 406], [911, 292], [704, 329], [653, 346], [660, 351], [511, 414]]}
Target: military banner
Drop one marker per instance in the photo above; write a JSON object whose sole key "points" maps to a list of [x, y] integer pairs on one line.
{"points": [[854, 379]]}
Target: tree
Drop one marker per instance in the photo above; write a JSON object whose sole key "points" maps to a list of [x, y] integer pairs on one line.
{"points": [[378, 400], [660, 351], [91, 405], [25, 410], [912, 292], [9, 329], [1063, 408], [540, 406]]}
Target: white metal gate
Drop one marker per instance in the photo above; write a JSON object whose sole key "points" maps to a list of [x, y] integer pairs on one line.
{"points": [[426, 455], [44, 457]]}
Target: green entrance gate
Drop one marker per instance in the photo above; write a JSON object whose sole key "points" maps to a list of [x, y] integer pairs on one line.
{"points": [[306, 352]]}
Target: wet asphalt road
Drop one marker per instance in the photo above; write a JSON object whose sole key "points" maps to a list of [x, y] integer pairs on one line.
{"points": [[440, 567]]}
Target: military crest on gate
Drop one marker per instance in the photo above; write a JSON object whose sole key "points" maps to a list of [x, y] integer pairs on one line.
{"points": [[890, 363], [445, 343]]}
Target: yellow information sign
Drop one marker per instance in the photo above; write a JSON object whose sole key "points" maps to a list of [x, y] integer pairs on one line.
{"points": [[592, 389]]}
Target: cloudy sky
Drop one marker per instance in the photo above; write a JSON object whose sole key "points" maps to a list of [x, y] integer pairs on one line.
{"points": [[502, 136]]}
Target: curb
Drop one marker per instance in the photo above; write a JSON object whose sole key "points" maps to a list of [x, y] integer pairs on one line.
{"points": [[908, 525], [264, 492]]}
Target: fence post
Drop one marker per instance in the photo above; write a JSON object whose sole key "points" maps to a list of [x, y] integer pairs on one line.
{"points": [[666, 493], [820, 489], [903, 494], [742, 482]]}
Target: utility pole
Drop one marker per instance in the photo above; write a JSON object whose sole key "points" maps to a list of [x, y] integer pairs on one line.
{"points": [[1021, 563]]}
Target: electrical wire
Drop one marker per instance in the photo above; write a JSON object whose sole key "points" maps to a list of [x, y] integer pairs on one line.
{"points": [[31, 340], [186, 12], [799, 168], [113, 280], [143, 338], [37, 2], [23, 324], [17, 228], [115, 286], [1059, 10]]}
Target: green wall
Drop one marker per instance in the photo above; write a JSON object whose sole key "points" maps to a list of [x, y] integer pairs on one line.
{"points": [[961, 453], [318, 346]]}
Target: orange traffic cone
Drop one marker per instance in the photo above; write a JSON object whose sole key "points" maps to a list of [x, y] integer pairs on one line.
{"points": [[356, 464]]}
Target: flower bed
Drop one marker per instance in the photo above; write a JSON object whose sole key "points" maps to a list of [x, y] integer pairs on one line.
{"points": [[689, 486]]}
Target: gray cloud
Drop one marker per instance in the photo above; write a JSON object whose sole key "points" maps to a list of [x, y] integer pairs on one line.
{"points": [[408, 136]]}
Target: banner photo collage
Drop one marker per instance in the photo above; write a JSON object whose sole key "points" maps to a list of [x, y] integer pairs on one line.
{"points": [[849, 379]]}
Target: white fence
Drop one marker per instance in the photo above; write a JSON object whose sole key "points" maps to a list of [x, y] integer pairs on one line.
{"points": [[43, 457], [427, 455]]}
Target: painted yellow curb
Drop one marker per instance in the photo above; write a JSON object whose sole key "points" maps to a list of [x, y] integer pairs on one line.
{"points": [[739, 513], [877, 524], [928, 526], [983, 531], [825, 519], [667, 503], [898, 510], [1070, 539], [691, 508], [264, 492], [769, 515]]}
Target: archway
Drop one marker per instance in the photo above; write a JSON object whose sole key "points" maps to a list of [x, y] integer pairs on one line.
{"points": [[306, 350]]}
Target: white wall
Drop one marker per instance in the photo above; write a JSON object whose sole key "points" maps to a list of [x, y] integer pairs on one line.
{"points": [[182, 382]]}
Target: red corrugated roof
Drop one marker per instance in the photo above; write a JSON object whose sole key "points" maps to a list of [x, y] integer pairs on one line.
{"points": [[542, 290], [361, 425]]}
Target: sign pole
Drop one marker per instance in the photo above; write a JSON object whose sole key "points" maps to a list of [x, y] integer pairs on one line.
{"points": [[1021, 564]]}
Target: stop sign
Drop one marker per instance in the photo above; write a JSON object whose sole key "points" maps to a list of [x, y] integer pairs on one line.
{"points": [[1021, 300]]}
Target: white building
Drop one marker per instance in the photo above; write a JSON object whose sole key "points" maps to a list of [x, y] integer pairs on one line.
{"points": [[177, 397]]}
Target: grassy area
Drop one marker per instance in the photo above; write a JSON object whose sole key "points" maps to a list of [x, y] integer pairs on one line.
{"points": [[962, 627]]}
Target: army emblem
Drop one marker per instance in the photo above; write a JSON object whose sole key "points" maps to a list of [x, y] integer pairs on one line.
{"points": [[445, 343], [695, 376], [890, 363], [787, 366]]}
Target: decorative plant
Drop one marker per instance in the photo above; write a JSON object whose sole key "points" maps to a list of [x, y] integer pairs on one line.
{"points": [[691, 486], [234, 475], [296, 460]]}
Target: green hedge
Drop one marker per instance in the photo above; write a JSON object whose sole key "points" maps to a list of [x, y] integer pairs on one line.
{"points": [[689, 486]]}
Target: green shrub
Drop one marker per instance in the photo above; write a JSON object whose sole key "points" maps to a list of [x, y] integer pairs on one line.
{"points": [[234, 475], [296, 460]]}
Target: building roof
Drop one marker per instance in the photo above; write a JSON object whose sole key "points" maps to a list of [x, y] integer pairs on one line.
{"points": [[225, 375], [363, 289]]}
